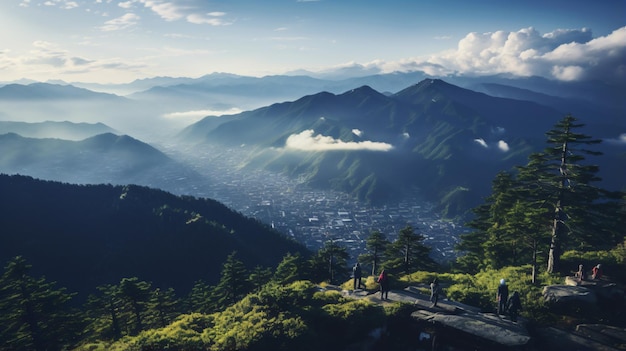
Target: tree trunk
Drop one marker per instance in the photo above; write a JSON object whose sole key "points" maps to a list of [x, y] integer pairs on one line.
{"points": [[534, 272]]}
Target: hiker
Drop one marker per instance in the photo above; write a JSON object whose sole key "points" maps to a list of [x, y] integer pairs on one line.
{"points": [[596, 272], [580, 275], [383, 280], [514, 306], [357, 274], [502, 296], [434, 292]]}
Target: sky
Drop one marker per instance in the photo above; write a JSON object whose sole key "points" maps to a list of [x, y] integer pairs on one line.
{"points": [[118, 41]]}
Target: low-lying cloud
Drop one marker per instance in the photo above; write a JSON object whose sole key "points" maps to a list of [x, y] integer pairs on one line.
{"points": [[500, 145], [306, 141]]}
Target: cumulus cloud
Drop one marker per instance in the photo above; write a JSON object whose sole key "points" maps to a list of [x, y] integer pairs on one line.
{"points": [[123, 22], [211, 18], [481, 142], [502, 145], [306, 141], [563, 54]]}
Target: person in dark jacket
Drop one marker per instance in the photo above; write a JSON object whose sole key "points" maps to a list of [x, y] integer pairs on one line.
{"points": [[357, 275], [383, 280], [514, 306], [434, 292], [502, 297]]}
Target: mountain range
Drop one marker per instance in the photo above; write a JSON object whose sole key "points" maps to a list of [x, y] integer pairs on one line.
{"points": [[101, 159], [443, 139], [372, 136]]}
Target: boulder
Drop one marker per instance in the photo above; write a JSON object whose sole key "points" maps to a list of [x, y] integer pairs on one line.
{"points": [[566, 294]]}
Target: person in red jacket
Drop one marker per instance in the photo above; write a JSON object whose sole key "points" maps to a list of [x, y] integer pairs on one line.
{"points": [[596, 271], [383, 280]]}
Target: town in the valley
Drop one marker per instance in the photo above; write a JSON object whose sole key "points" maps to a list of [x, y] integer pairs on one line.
{"points": [[311, 216]]}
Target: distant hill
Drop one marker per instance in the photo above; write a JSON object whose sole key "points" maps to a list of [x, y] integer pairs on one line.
{"points": [[47, 91], [60, 130], [445, 140], [104, 158], [84, 236]]}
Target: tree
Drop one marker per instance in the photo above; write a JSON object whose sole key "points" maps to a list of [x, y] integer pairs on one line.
{"points": [[565, 183], [259, 277], [330, 262], [104, 312], [34, 313], [376, 244], [410, 248], [289, 269], [233, 283], [201, 298], [162, 307], [137, 293]]}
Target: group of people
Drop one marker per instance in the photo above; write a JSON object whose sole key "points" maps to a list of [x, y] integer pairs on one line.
{"points": [[383, 281], [596, 272], [511, 305]]}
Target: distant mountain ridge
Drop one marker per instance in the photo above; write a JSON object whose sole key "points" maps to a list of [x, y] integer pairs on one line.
{"points": [[102, 159], [448, 141], [50, 129]]}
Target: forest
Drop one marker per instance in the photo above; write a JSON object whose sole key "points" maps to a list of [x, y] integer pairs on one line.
{"points": [[540, 222]]}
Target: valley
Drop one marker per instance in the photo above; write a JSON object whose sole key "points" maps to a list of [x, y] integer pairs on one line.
{"points": [[311, 216]]}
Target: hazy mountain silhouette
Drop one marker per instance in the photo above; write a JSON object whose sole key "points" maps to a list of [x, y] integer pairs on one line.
{"points": [[60, 130], [104, 158]]}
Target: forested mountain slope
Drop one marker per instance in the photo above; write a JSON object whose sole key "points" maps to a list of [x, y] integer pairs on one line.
{"points": [[85, 236]]}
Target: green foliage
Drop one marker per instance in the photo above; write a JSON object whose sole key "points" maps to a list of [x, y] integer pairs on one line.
{"points": [[550, 205], [34, 313]]}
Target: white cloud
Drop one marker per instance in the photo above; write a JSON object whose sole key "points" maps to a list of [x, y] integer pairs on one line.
{"points": [[212, 18], [123, 22], [481, 142], [196, 115], [405, 135], [564, 54], [621, 140], [171, 11], [125, 4], [166, 10], [305, 141], [357, 132], [502, 145]]}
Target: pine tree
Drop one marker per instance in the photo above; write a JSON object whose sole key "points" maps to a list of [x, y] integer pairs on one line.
{"points": [[409, 248], [233, 283], [376, 245], [566, 185], [162, 307], [289, 269], [330, 263], [201, 299], [137, 294], [104, 312], [34, 315]]}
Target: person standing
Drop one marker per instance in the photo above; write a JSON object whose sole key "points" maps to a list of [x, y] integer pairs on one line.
{"points": [[383, 280], [434, 292], [357, 275], [514, 306], [502, 296], [596, 272]]}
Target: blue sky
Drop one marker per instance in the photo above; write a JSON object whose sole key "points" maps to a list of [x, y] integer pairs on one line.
{"points": [[112, 41]]}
